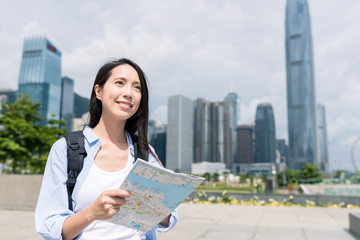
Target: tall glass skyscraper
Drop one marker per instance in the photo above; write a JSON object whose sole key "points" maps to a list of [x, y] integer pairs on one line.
{"points": [[179, 133], [232, 107], [322, 133], [40, 76], [265, 140], [300, 86]]}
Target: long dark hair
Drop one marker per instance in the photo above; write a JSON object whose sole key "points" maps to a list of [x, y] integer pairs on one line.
{"points": [[138, 123]]}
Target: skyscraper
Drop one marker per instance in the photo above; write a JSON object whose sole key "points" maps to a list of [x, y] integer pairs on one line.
{"points": [[244, 144], [232, 111], [40, 76], [157, 139], [202, 131], [300, 86], [179, 133], [322, 133], [67, 101], [265, 141]]}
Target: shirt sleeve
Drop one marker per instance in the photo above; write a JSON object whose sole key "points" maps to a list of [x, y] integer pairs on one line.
{"points": [[52, 206]]}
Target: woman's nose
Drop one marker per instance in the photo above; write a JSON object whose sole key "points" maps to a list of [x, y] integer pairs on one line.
{"points": [[127, 91]]}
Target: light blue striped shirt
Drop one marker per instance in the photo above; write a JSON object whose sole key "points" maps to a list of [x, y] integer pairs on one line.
{"points": [[52, 206]]}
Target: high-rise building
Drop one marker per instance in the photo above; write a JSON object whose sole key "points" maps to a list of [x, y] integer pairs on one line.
{"points": [[244, 148], [322, 133], [179, 133], [215, 130], [283, 150], [202, 131], [265, 141], [157, 138], [7, 95], [300, 86], [67, 101], [217, 136], [40, 76], [232, 114]]}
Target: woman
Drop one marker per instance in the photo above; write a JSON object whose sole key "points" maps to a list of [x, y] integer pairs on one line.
{"points": [[118, 109]]}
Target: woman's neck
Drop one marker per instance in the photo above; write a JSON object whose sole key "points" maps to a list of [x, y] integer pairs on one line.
{"points": [[108, 130]]}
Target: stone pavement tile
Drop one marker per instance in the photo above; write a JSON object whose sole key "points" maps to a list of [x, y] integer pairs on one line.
{"points": [[318, 234], [277, 236], [212, 235], [17, 225]]}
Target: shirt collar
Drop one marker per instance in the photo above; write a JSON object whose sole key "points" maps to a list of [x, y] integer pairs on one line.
{"points": [[91, 138], [90, 135]]}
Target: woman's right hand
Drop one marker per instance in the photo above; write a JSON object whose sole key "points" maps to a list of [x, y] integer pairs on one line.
{"points": [[104, 207], [108, 204]]}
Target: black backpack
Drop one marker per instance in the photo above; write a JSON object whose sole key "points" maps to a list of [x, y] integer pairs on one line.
{"points": [[75, 157]]}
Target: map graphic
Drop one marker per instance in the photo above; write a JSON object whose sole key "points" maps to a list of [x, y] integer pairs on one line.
{"points": [[155, 193]]}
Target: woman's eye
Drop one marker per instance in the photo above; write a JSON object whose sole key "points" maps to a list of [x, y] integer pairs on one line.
{"points": [[119, 82], [138, 87]]}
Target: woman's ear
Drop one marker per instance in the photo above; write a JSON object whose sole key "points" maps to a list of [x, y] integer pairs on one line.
{"points": [[97, 91]]}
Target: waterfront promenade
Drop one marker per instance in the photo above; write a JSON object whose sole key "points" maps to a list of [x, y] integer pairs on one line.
{"points": [[230, 222]]}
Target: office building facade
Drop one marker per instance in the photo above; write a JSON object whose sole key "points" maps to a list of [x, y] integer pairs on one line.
{"points": [[265, 140], [40, 76], [179, 133], [300, 86]]}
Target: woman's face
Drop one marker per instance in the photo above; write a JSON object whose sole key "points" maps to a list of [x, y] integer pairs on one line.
{"points": [[121, 94]]}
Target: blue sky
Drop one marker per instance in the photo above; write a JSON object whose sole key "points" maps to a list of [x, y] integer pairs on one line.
{"points": [[202, 49]]}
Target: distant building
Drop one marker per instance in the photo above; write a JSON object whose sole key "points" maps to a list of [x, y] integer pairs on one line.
{"points": [[202, 131], [40, 76], [282, 148], [232, 103], [157, 139], [67, 101], [7, 95], [265, 143], [322, 134], [215, 131], [81, 105], [257, 169], [300, 86], [179, 137], [245, 152], [208, 167]]}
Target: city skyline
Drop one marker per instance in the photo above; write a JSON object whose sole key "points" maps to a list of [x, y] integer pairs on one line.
{"points": [[236, 46]]}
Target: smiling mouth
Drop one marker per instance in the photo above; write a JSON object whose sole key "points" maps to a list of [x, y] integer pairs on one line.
{"points": [[124, 104]]}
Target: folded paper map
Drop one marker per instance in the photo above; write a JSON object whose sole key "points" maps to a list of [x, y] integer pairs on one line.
{"points": [[155, 193]]}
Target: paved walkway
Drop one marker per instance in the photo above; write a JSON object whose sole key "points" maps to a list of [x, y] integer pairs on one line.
{"points": [[208, 222]]}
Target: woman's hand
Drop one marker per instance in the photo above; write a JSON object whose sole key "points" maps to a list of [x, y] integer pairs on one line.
{"points": [[104, 207], [108, 204]]}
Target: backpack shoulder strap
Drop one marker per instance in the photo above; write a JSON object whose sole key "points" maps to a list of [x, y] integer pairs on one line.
{"points": [[138, 151], [75, 156]]}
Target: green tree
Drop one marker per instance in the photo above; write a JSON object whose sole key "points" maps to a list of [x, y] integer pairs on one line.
{"points": [[215, 177], [310, 173], [291, 177], [339, 174], [207, 176], [24, 143]]}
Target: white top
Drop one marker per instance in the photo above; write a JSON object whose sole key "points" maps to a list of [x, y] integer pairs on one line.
{"points": [[96, 182]]}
